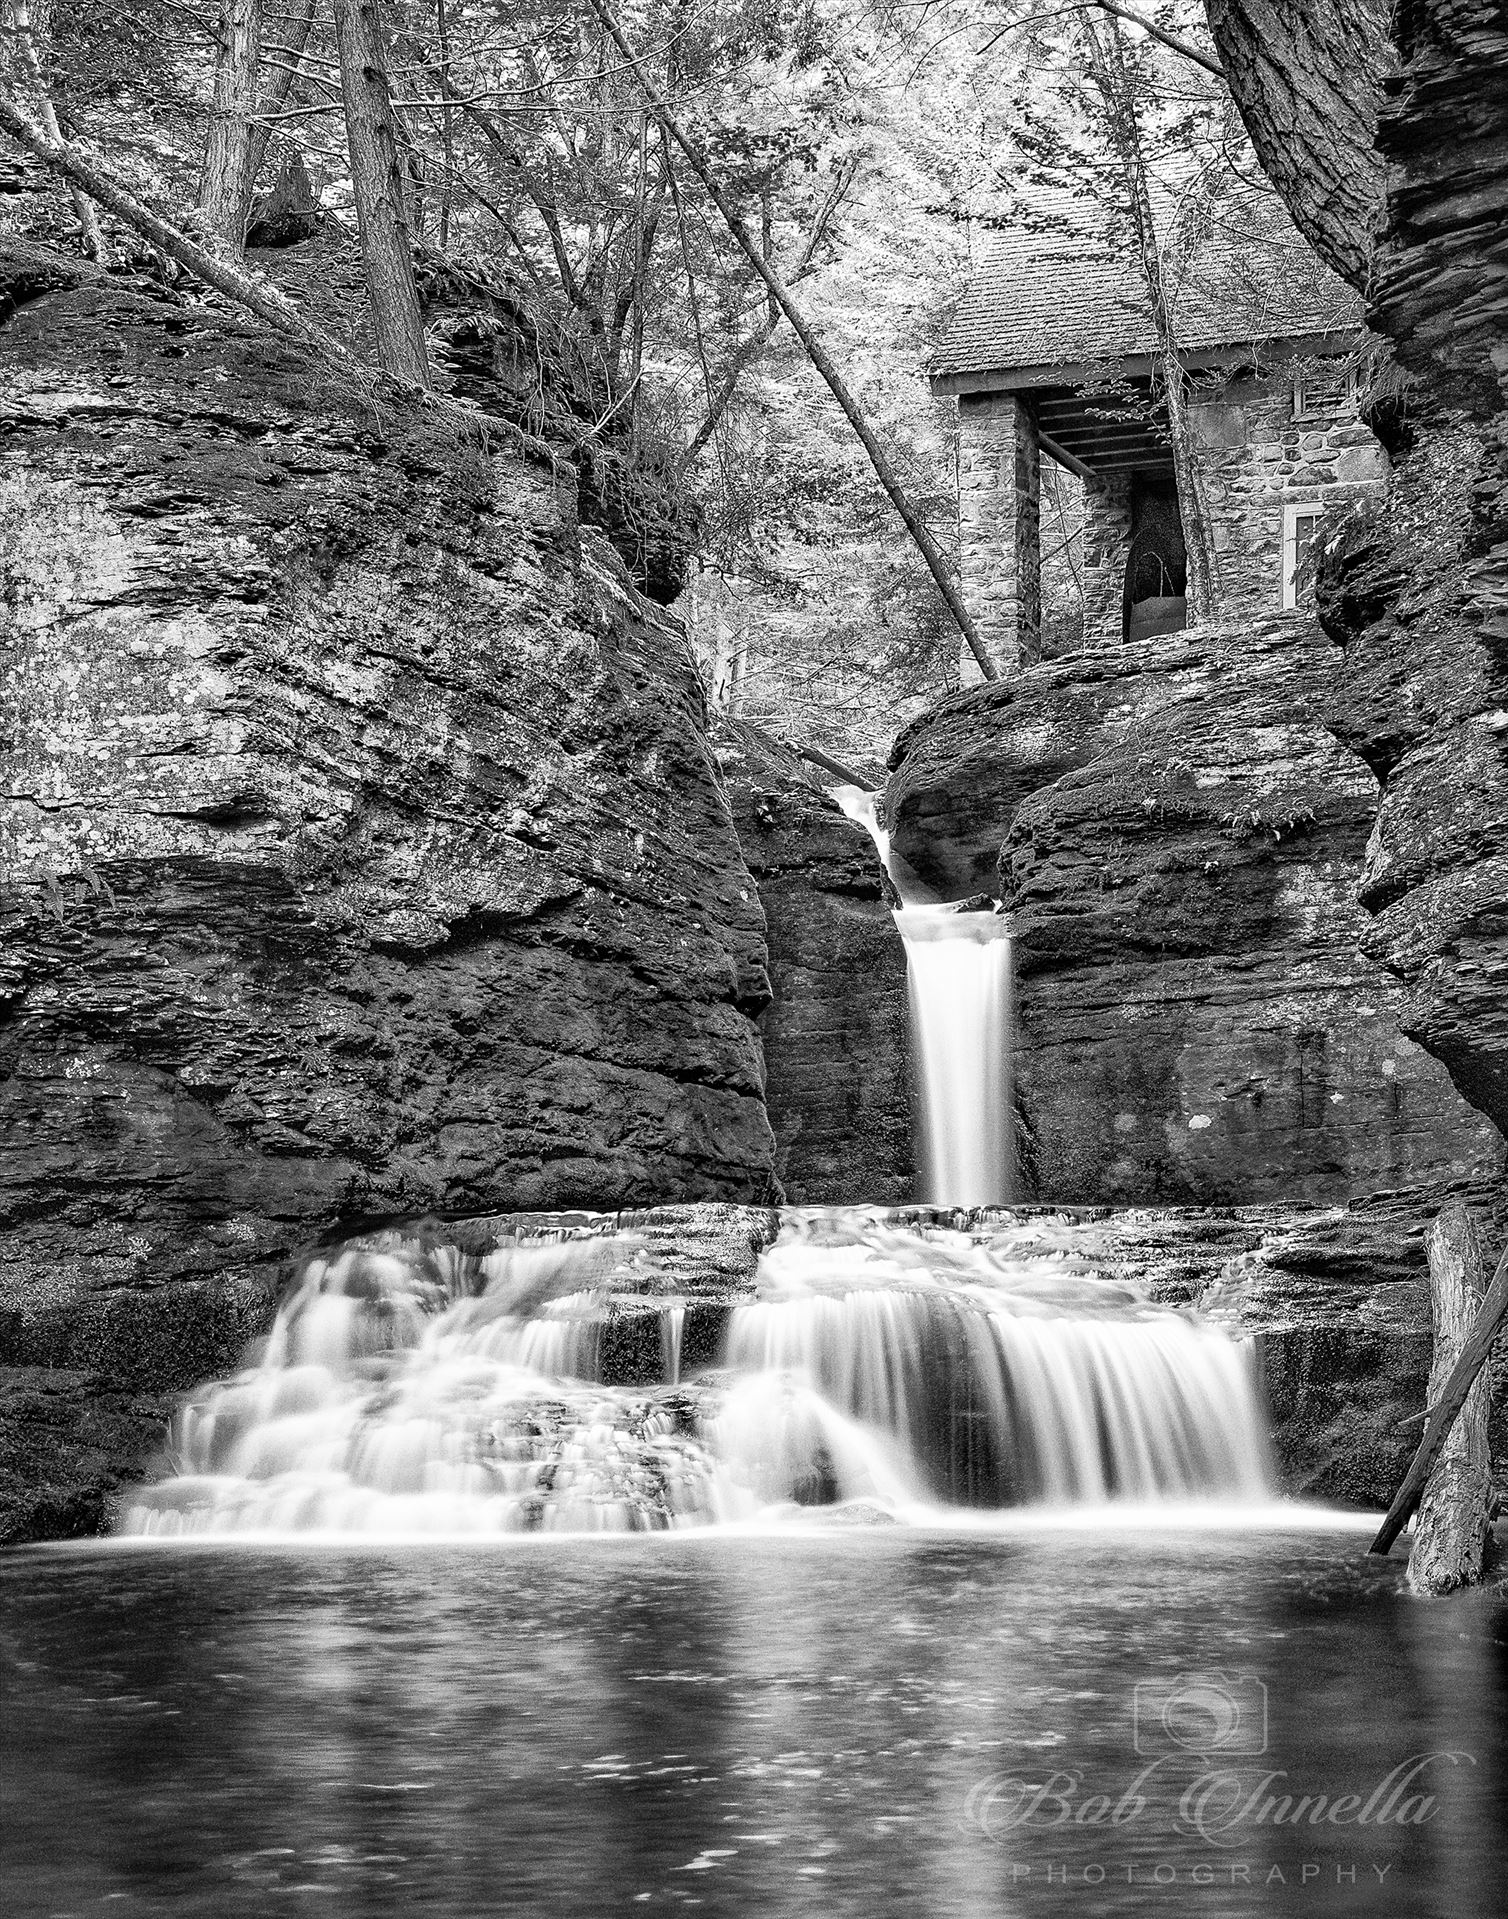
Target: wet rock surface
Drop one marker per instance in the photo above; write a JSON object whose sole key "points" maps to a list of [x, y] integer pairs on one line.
{"points": [[364, 853], [1177, 836], [70, 1443], [836, 1048]]}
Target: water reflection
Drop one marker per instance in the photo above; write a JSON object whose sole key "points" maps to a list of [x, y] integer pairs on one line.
{"points": [[824, 1724]]}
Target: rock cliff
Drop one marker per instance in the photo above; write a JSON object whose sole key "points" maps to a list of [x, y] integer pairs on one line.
{"points": [[1177, 835], [364, 854], [1416, 591]]}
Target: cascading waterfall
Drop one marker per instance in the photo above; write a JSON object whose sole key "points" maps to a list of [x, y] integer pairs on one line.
{"points": [[407, 1388], [958, 967]]}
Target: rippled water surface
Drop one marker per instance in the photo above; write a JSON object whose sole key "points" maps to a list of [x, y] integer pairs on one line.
{"points": [[823, 1722]]}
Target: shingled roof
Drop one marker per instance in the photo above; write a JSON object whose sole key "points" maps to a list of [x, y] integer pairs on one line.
{"points": [[1071, 295]]}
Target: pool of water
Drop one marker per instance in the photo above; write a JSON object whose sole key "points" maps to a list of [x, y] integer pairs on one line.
{"points": [[880, 1720]]}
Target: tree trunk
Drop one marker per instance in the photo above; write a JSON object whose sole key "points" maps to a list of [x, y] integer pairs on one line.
{"points": [[1476, 1348], [1307, 78], [937, 565], [275, 95], [1450, 1535], [1108, 69], [229, 170], [381, 188]]}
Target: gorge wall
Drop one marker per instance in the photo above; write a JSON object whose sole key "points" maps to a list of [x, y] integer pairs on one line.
{"points": [[1417, 593], [364, 853], [1178, 835]]}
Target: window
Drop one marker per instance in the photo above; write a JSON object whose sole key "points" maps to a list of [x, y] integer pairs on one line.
{"points": [[1300, 529], [1321, 391]]}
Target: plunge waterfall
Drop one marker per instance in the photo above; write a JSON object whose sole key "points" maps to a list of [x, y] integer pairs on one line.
{"points": [[958, 968]]}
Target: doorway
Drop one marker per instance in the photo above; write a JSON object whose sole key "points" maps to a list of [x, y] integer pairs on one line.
{"points": [[1155, 599]]}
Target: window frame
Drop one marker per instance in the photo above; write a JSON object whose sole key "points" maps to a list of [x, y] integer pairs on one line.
{"points": [[1293, 512], [1303, 410]]}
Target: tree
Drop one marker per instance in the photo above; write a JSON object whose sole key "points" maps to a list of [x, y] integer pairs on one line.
{"points": [[22, 34], [229, 167], [937, 564], [95, 178], [380, 183], [243, 111], [1113, 82]]}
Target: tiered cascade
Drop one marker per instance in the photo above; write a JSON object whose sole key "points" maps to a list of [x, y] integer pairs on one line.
{"points": [[905, 1367]]}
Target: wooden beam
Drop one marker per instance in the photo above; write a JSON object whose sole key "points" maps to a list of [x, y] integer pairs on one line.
{"points": [[1139, 366], [1063, 457]]}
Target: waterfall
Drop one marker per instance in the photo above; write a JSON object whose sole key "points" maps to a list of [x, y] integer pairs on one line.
{"points": [[958, 969], [407, 1388]]}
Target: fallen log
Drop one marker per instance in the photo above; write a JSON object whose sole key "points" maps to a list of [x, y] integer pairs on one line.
{"points": [[1450, 1533], [829, 765], [1448, 1399]]}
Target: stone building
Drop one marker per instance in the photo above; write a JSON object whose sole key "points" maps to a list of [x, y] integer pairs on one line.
{"points": [[1051, 352]]}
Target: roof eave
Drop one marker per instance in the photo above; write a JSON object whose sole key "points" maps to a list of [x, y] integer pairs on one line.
{"points": [[1139, 366]]}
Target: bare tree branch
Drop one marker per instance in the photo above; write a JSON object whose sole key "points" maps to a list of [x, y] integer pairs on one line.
{"points": [[1174, 40]]}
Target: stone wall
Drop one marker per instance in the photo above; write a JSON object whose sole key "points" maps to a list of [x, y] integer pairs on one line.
{"points": [[1177, 835], [999, 531], [836, 1048], [1106, 544], [1256, 459], [364, 854]]}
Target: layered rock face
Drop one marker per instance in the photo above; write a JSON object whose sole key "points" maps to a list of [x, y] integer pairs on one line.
{"points": [[1419, 596], [838, 1082], [1177, 835], [364, 853]]}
